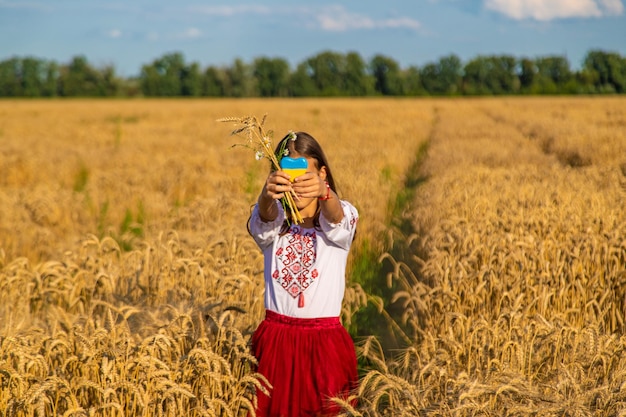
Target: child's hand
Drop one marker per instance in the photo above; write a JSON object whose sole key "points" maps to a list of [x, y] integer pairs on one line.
{"points": [[277, 184], [309, 185]]}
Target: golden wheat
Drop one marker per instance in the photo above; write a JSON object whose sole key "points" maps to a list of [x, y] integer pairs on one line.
{"points": [[129, 285], [525, 259]]}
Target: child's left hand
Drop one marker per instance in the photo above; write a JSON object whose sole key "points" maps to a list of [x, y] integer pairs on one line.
{"points": [[309, 185]]}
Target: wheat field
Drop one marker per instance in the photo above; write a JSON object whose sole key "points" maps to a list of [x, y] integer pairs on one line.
{"points": [[129, 285]]}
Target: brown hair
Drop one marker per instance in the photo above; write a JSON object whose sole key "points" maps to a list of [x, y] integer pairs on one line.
{"points": [[305, 145]]}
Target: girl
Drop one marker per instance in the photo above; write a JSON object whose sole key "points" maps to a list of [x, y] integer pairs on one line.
{"points": [[301, 346]]}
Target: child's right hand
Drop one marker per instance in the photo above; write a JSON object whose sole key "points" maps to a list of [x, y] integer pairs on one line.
{"points": [[276, 185]]}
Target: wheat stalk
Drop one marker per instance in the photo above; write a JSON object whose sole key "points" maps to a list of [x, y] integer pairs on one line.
{"points": [[259, 140]]}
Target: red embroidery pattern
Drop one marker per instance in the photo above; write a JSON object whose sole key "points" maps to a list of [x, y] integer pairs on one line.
{"points": [[294, 261], [353, 220]]}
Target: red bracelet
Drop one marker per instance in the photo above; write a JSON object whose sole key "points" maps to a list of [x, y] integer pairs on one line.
{"points": [[327, 197]]}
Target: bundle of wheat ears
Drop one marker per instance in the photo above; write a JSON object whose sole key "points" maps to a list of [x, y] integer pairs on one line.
{"points": [[260, 141]]}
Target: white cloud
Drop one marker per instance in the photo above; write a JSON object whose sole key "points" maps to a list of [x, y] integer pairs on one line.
{"points": [[190, 33], [545, 10], [331, 18], [403, 22], [230, 10], [114, 33], [338, 19], [187, 34]]}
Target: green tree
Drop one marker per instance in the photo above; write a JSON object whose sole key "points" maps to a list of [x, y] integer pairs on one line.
{"points": [[527, 74], [191, 80], [10, 85], [412, 82], [443, 77], [357, 82], [164, 76], [477, 73], [585, 81], [450, 71], [553, 73], [491, 75], [608, 71], [239, 81], [213, 82], [78, 78], [332, 74], [386, 73], [300, 83], [51, 78], [325, 74], [272, 76], [32, 77], [327, 71], [110, 83]]}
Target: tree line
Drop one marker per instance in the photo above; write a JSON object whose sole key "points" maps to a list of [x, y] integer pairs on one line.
{"points": [[326, 74]]}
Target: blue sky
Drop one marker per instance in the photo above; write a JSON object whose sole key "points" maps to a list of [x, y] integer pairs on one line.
{"points": [[128, 34]]}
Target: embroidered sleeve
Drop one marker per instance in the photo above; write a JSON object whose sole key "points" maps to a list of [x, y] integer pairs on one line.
{"points": [[262, 232], [343, 232]]}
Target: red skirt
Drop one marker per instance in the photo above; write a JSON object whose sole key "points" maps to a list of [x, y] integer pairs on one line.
{"points": [[307, 361]]}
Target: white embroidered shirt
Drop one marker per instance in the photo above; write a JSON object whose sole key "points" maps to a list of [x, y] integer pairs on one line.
{"points": [[305, 268]]}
